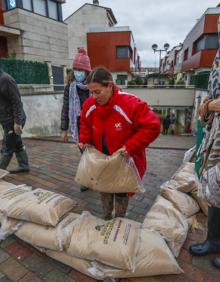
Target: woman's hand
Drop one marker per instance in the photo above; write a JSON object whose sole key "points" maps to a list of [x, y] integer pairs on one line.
{"points": [[82, 146], [214, 106], [123, 151], [64, 136]]}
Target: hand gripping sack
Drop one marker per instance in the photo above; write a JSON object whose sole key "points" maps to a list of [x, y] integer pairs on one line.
{"points": [[164, 218], [110, 174], [182, 201], [114, 242], [39, 206], [53, 238]]}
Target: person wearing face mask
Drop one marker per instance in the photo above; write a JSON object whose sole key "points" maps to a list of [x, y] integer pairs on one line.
{"points": [[75, 94], [112, 120]]}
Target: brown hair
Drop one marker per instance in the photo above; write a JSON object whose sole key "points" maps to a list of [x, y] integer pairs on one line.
{"points": [[100, 75]]}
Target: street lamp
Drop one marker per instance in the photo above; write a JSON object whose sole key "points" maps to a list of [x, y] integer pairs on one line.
{"points": [[166, 46]]}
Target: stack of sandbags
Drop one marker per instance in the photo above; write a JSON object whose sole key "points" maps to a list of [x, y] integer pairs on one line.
{"points": [[164, 218], [153, 258], [185, 180], [109, 174]]}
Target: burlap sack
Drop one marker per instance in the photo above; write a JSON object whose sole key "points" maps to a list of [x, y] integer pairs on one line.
{"points": [[114, 242], [10, 193], [8, 226], [39, 206], [201, 202], [53, 238], [153, 258], [164, 218], [180, 185], [187, 167], [5, 185], [110, 174], [186, 181], [3, 173], [183, 202]]}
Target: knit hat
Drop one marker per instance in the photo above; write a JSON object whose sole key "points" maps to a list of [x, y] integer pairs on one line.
{"points": [[81, 60]]}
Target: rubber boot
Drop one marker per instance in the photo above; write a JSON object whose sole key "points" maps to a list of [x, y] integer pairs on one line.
{"points": [[22, 159], [121, 204], [107, 205], [5, 160], [212, 242]]}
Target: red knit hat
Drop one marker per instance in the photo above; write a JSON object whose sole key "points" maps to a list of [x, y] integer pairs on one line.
{"points": [[81, 60]]}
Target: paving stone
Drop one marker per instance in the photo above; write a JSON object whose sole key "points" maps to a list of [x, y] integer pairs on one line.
{"points": [[79, 277], [205, 264], [7, 242], [18, 250], [38, 264], [3, 256], [30, 277], [12, 269], [57, 276]]}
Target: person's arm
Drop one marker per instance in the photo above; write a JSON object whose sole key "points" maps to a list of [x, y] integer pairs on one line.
{"points": [[11, 93], [85, 134], [65, 115], [147, 126], [214, 106]]}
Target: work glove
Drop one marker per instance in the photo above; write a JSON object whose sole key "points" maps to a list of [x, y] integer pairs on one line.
{"points": [[17, 129]]}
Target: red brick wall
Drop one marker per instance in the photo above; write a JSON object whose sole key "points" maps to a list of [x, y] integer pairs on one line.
{"points": [[102, 50]]}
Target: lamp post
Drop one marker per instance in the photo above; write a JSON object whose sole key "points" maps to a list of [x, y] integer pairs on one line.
{"points": [[166, 46]]}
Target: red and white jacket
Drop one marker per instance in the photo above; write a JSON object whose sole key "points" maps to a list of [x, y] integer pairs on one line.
{"points": [[125, 120]]}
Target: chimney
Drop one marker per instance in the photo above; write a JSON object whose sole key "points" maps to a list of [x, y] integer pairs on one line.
{"points": [[96, 2]]}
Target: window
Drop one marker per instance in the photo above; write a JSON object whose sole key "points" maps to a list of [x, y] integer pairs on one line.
{"points": [[27, 5], [123, 52], [40, 7], [53, 11], [208, 41], [11, 4], [121, 79], [186, 54]]}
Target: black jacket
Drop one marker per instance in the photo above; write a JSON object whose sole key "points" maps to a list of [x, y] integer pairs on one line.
{"points": [[11, 107], [83, 95]]}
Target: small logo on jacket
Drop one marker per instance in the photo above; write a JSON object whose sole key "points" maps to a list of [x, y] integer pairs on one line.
{"points": [[118, 126]]}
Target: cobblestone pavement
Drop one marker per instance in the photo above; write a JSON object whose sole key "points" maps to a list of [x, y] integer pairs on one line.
{"points": [[53, 166]]}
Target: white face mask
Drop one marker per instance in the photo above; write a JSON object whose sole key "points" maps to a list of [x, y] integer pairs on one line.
{"points": [[80, 76]]}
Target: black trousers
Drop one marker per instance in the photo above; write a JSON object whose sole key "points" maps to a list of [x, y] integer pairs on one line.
{"points": [[11, 142]]}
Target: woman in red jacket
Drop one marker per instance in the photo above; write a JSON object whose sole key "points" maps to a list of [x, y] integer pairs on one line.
{"points": [[111, 120]]}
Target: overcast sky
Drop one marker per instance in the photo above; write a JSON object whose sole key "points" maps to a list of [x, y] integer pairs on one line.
{"points": [[152, 21]]}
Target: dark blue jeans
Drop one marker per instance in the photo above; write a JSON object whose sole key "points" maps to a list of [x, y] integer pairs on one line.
{"points": [[11, 143]]}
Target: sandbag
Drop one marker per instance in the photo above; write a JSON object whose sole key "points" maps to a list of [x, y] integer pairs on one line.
{"points": [[179, 185], [3, 173], [187, 167], [53, 238], [4, 185], [39, 206], [10, 193], [186, 181], [164, 218], [110, 174], [183, 202], [153, 258], [114, 242], [8, 226], [201, 202]]}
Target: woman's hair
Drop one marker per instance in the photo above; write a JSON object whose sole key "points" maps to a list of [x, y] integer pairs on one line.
{"points": [[100, 75], [69, 76]]}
